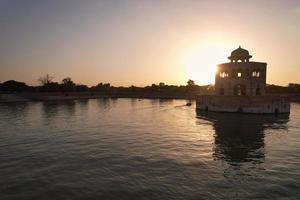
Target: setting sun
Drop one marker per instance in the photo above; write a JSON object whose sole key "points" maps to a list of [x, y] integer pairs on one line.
{"points": [[201, 62]]}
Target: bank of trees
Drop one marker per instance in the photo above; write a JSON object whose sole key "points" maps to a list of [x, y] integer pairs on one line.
{"points": [[15, 86], [47, 84], [66, 85], [292, 88]]}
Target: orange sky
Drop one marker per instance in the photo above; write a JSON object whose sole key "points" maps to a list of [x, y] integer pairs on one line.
{"points": [[144, 42]]}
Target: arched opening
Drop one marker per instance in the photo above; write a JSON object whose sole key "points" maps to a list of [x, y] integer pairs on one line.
{"points": [[223, 74], [206, 108], [239, 90], [256, 74], [276, 111]]}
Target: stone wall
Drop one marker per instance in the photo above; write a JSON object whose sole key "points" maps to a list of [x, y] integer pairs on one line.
{"points": [[227, 78], [244, 104]]}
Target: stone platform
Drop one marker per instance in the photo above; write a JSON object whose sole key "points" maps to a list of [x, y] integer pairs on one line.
{"points": [[244, 104]]}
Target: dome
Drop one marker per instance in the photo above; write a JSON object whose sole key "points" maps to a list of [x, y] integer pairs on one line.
{"points": [[240, 54]]}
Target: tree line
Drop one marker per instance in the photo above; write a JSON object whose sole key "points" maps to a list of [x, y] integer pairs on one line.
{"points": [[67, 85]]}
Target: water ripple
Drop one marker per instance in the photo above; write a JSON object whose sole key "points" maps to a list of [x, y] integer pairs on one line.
{"points": [[148, 149]]}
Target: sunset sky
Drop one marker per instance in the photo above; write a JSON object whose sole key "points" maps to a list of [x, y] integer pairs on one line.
{"points": [[140, 42]]}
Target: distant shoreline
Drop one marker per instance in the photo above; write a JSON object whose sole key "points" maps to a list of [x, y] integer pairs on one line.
{"points": [[23, 97]]}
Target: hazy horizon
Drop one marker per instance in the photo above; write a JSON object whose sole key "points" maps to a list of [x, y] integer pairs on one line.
{"points": [[143, 42]]}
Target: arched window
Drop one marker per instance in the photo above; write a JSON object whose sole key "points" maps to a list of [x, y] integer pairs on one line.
{"points": [[223, 74], [256, 74]]}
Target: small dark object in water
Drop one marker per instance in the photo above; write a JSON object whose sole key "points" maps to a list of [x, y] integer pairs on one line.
{"points": [[188, 104]]}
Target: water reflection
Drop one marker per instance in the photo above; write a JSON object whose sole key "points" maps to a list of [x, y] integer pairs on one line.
{"points": [[133, 102], [83, 104], [104, 103], [15, 114], [161, 102], [52, 108], [240, 138]]}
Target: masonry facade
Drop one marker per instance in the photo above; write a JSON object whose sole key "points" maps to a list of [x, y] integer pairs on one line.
{"points": [[240, 86], [240, 76]]}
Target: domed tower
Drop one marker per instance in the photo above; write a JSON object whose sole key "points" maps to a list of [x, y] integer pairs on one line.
{"points": [[240, 77], [240, 86], [239, 55]]}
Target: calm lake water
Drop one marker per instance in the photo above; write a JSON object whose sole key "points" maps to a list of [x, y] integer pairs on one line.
{"points": [[145, 149]]}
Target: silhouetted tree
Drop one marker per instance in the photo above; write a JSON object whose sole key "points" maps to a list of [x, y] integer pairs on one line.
{"points": [[14, 86], [47, 84], [45, 79], [190, 83], [81, 88], [191, 86], [101, 87], [154, 88], [50, 87], [161, 84], [133, 89], [67, 85]]}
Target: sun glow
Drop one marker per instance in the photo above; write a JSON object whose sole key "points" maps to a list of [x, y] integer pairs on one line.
{"points": [[201, 63]]}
